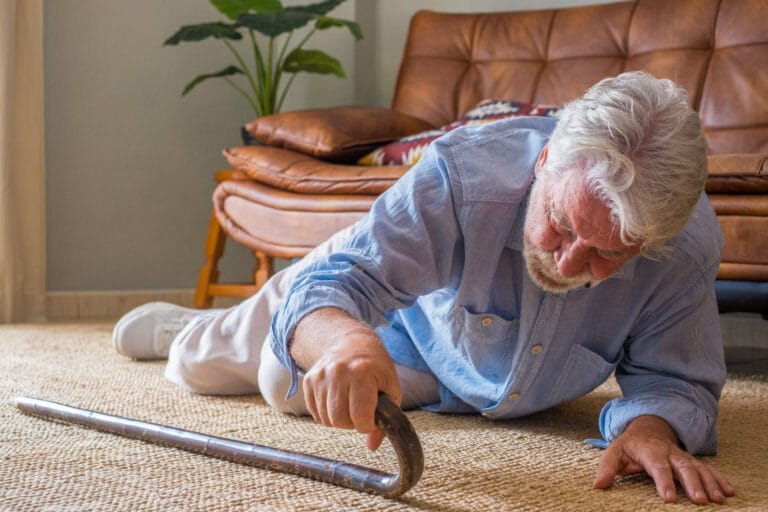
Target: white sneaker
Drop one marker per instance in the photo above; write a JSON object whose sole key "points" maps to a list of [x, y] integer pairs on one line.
{"points": [[148, 331]]}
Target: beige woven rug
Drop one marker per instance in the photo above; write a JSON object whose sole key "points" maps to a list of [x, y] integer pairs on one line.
{"points": [[537, 463]]}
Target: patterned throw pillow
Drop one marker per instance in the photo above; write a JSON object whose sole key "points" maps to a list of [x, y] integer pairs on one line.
{"points": [[408, 150]]}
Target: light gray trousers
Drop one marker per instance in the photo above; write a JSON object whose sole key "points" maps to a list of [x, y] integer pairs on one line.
{"points": [[227, 351]]}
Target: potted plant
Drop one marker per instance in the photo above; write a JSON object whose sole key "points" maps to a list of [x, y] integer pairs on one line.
{"points": [[264, 87]]}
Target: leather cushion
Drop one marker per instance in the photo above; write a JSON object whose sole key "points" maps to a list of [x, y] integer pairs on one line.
{"points": [[738, 174], [715, 49], [280, 223], [297, 172], [341, 134]]}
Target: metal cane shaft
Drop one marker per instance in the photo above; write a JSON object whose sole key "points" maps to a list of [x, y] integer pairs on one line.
{"points": [[389, 417]]}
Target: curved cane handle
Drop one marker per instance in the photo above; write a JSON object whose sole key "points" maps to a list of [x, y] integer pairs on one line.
{"points": [[389, 417], [406, 444]]}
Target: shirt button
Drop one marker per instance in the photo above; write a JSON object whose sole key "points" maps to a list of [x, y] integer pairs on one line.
{"points": [[536, 349], [486, 321], [514, 396]]}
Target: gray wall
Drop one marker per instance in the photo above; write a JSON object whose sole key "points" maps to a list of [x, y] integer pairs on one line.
{"points": [[129, 162]]}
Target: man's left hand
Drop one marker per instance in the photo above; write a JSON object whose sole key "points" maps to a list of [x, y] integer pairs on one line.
{"points": [[649, 444]]}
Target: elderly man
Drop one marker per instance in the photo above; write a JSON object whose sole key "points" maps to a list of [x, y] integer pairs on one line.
{"points": [[516, 266]]}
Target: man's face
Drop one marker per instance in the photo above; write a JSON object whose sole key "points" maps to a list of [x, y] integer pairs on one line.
{"points": [[570, 238]]}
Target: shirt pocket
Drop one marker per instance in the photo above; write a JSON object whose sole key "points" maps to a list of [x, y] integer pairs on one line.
{"points": [[582, 372], [485, 340]]}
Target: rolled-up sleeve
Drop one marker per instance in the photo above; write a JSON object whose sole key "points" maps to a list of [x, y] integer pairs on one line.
{"points": [[674, 368], [287, 317], [406, 246]]}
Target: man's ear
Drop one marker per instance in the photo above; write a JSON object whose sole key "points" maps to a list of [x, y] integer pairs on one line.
{"points": [[542, 158]]}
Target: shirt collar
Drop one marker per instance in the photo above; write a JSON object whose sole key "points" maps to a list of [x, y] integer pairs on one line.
{"points": [[515, 239]]}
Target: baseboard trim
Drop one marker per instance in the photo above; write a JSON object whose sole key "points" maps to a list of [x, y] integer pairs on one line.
{"points": [[108, 304], [744, 330]]}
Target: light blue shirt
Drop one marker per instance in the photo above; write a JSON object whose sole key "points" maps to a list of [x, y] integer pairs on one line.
{"points": [[437, 267]]}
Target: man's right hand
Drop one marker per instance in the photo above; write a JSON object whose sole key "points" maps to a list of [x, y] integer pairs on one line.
{"points": [[346, 368]]}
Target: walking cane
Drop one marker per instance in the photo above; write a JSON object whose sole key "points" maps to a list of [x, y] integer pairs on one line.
{"points": [[389, 417]]}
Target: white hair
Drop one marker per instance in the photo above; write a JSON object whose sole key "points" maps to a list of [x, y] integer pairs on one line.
{"points": [[643, 152]]}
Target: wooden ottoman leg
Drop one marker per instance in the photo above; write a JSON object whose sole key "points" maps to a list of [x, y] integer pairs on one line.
{"points": [[209, 274], [263, 270]]}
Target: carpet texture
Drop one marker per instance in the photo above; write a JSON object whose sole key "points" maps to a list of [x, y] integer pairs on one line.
{"points": [[537, 463]]}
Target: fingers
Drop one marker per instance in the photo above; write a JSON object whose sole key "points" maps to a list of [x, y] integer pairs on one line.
{"points": [[357, 413], [722, 482], [333, 409], [344, 392], [315, 400], [608, 468], [665, 463], [330, 405], [362, 407], [620, 459], [347, 366], [702, 483], [614, 462], [687, 474], [663, 476], [374, 439]]}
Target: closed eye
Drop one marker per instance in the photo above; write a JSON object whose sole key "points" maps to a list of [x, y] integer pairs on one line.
{"points": [[557, 222], [615, 256]]}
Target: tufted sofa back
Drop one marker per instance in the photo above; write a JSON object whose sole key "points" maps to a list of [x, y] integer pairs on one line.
{"points": [[716, 49]]}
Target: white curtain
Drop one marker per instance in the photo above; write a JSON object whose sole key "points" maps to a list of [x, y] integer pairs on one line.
{"points": [[22, 186]]}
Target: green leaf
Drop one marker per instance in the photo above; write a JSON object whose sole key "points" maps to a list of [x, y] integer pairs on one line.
{"points": [[327, 22], [289, 19], [319, 8], [229, 70], [272, 25], [204, 31], [234, 8], [313, 61]]}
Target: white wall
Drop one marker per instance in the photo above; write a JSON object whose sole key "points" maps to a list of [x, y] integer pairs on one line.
{"points": [[130, 162]]}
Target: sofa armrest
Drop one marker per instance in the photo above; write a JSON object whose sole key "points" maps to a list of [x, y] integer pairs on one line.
{"points": [[288, 170], [341, 134], [745, 173]]}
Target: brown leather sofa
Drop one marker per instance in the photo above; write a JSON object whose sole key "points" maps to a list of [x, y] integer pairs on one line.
{"points": [[287, 195]]}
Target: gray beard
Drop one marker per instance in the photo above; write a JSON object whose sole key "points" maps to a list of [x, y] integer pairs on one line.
{"points": [[542, 269]]}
